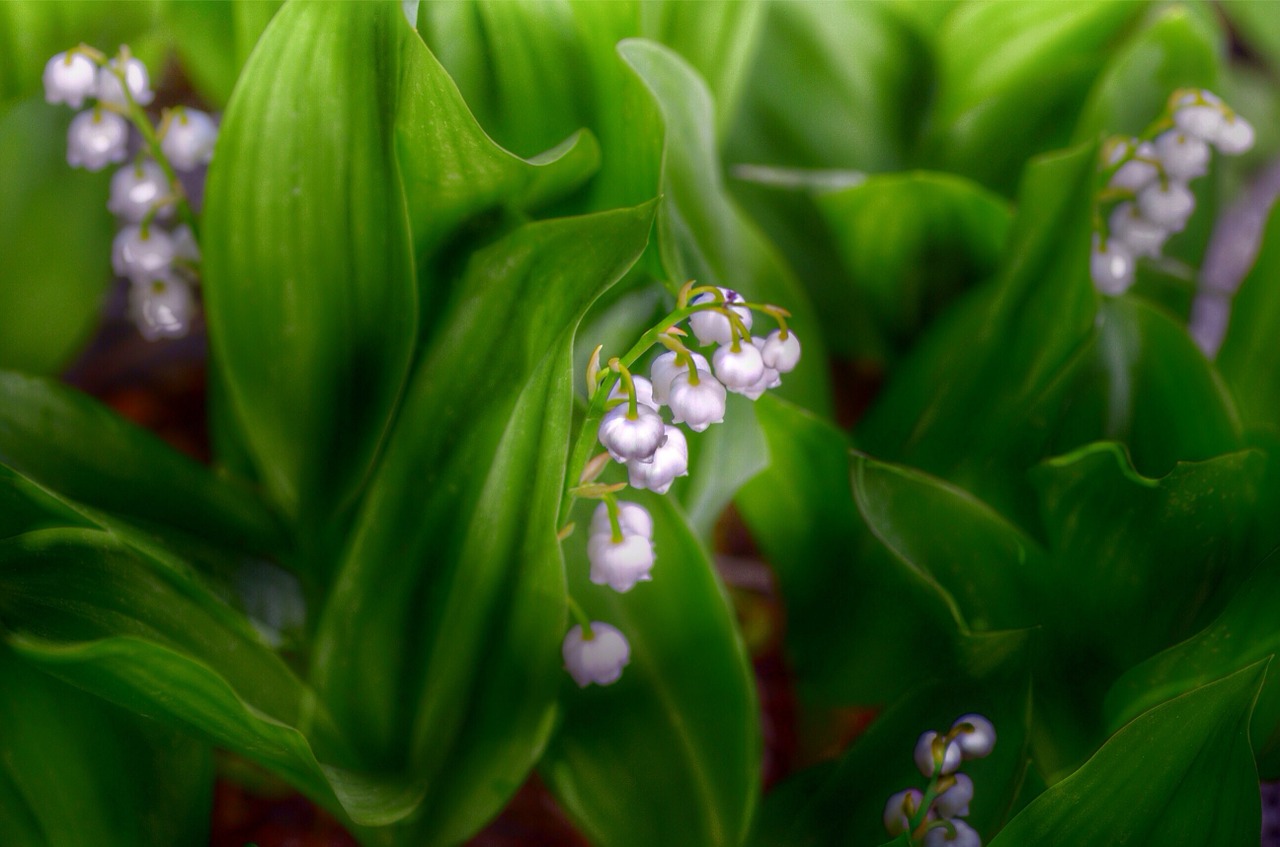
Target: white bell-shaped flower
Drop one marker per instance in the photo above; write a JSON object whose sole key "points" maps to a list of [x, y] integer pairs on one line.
{"points": [[699, 404], [620, 564], [1200, 114], [1141, 236], [1183, 156], [599, 659], [900, 809], [954, 802], [670, 461], [185, 247], [925, 759], [136, 189], [70, 78], [1135, 174], [136, 77], [1169, 206], [769, 378], [188, 139], [633, 519], [713, 327], [644, 392], [1235, 136], [1111, 266], [978, 739], [738, 369], [664, 370], [97, 138], [960, 835], [627, 438], [162, 308], [141, 258], [781, 354]]}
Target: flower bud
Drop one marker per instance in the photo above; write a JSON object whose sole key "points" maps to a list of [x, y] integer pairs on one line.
{"points": [[697, 405], [599, 659], [960, 835], [1199, 113], [925, 758], [900, 809], [644, 392], [96, 138], [161, 308], [70, 78], [954, 802], [135, 74], [781, 354], [1235, 136], [620, 564], [141, 258], [136, 189], [1135, 174], [1112, 266], [713, 327], [977, 742], [1141, 236], [1183, 156], [665, 368], [738, 369], [188, 139], [670, 461], [633, 519], [628, 438], [1167, 206]]}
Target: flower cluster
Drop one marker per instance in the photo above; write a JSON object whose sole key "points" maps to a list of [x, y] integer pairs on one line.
{"points": [[1146, 182], [161, 264], [632, 430], [935, 817]]}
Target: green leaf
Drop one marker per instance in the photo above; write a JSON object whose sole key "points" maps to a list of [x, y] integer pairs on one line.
{"points": [[1011, 77], [78, 449], [842, 802], [1139, 563], [55, 236], [61, 752], [1180, 773], [1178, 49], [989, 566], [79, 605], [910, 243], [214, 39], [309, 281], [1256, 26], [438, 648], [1248, 360], [670, 754], [1243, 634]]}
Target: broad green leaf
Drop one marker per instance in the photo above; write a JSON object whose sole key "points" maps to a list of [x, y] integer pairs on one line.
{"points": [[78, 604], [31, 33], [1181, 773], [670, 754], [1175, 50], [1243, 634], [802, 514], [984, 562], [438, 648], [309, 280], [78, 449], [842, 802], [702, 234], [55, 236], [214, 39], [1011, 77], [1247, 359], [1139, 563], [911, 242], [61, 753], [1256, 24], [834, 85]]}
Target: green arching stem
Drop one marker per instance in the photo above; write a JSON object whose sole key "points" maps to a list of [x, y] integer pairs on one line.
{"points": [[690, 364], [917, 823], [139, 119], [581, 617], [630, 386], [738, 330], [615, 526]]}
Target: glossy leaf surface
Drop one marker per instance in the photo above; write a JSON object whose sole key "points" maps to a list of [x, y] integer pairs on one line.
{"points": [[670, 754], [439, 646]]}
